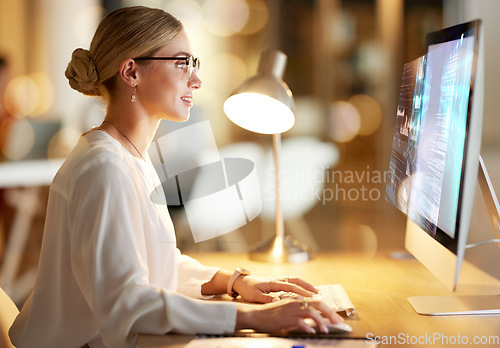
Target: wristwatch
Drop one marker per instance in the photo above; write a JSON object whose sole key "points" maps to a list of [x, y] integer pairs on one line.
{"points": [[239, 271]]}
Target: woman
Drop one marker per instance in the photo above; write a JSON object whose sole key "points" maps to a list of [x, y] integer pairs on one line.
{"points": [[109, 267]]}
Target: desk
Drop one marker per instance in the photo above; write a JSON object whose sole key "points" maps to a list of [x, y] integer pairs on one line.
{"points": [[378, 288]]}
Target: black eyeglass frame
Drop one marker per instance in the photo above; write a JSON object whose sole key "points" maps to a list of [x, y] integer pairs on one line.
{"points": [[192, 68]]}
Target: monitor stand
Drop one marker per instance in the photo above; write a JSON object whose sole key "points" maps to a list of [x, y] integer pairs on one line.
{"points": [[489, 196], [470, 304], [456, 305]]}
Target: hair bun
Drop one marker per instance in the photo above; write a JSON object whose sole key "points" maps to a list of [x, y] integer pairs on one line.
{"points": [[82, 73]]}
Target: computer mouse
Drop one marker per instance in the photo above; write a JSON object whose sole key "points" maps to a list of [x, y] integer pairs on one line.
{"points": [[332, 328], [338, 328]]}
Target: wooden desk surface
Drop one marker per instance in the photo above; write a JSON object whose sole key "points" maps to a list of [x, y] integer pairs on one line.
{"points": [[378, 287]]}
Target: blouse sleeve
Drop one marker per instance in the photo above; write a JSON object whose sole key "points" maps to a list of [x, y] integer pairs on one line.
{"points": [[192, 275], [108, 262]]}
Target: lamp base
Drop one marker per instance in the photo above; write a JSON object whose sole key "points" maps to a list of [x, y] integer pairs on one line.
{"points": [[281, 250]]}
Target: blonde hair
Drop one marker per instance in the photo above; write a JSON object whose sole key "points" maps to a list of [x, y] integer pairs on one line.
{"points": [[124, 33]]}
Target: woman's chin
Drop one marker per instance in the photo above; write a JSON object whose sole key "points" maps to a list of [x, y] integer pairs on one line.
{"points": [[185, 117], [175, 118]]}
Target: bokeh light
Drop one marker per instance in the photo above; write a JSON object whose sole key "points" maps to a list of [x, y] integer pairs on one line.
{"points": [[370, 113], [21, 96], [225, 17], [344, 121], [19, 141], [187, 11], [309, 116], [355, 236], [224, 72], [343, 30], [45, 93], [360, 238], [370, 60], [61, 144], [258, 17], [31, 95]]}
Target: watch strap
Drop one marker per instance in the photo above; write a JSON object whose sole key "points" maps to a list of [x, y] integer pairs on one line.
{"points": [[237, 272]]}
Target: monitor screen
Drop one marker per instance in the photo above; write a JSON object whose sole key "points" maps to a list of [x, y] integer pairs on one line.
{"points": [[435, 161], [429, 145]]}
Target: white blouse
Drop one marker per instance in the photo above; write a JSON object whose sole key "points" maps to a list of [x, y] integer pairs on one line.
{"points": [[109, 266]]}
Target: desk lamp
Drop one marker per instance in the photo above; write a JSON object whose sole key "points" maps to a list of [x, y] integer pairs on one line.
{"points": [[263, 104]]}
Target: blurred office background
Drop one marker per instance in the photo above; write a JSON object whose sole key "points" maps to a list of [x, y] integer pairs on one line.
{"points": [[345, 60]]}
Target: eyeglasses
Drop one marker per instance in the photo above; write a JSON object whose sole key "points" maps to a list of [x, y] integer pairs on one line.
{"points": [[189, 64]]}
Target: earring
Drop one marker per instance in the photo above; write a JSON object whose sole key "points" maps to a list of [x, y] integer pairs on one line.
{"points": [[132, 97]]}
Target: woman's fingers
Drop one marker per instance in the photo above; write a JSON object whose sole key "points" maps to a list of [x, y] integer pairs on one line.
{"points": [[303, 326], [302, 283], [266, 298], [315, 315], [276, 286], [326, 311], [306, 314], [310, 315]]}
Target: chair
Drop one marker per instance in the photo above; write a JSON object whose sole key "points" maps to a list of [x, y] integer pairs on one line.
{"points": [[8, 312]]}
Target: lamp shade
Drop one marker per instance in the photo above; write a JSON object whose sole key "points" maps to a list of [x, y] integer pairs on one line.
{"points": [[263, 103]]}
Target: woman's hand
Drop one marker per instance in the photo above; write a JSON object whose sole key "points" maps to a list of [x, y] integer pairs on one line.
{"points": [[254, 289], [285, 315]]}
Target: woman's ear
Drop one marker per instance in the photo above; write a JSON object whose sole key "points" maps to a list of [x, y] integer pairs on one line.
{"points": [[128, 72]]}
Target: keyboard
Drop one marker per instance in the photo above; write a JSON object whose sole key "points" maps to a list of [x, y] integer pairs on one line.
{"points": [[335, 296]]}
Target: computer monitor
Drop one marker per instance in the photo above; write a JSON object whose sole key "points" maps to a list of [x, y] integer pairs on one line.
{"points": [[435, 157]]}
